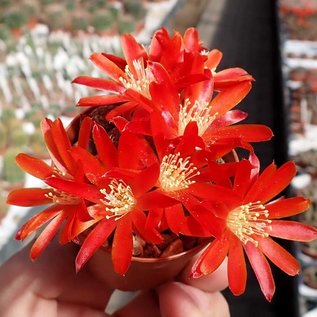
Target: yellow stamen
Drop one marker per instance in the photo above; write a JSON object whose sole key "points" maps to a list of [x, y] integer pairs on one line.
{"points": [[141, 82], [176, 173], [198, 112], [249, 221], [120, 200]]}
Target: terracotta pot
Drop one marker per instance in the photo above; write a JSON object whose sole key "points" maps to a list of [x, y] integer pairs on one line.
{"points": [[144, 273]]}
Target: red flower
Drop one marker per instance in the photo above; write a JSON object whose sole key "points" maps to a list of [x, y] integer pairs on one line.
{"points": [[243, 219], [215, 119], [180, 54], [131, 77], [118, 193], [65, 208]]}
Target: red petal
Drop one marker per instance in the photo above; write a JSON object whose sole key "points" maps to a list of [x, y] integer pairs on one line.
{"points": [[58, 143], [229, 98], [292, 230], [132, 51], [119, 61], [211, 258], [84, 132], [287, 207], [175, 217], [143, 155], [207, 219], [107, 152], [102, 100], [279, 181], [230, 77], [82, 190], [242, 180], [214, 192], [99, 83], [54, 133], [237, 271], [122, 246], [144, 227], [37, 221], [46, 236], [168, 102], [91, 165], [246, 132], [191, 40], [261, 269], [279, 256], [34, 166], [214, 58], [27, 197], [75, 223], [94, 241], [260, 183], [107, 66], [145, 180], [155, 199], [122, 109]]}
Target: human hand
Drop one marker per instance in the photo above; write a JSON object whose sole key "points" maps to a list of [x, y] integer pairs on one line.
{"points": [[50, 287]]}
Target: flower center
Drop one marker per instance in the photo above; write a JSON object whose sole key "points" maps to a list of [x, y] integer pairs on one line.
{"points": [[62, 198], [198, 112], [248, 221], [141, 82], [176, 173], [120, 200]]}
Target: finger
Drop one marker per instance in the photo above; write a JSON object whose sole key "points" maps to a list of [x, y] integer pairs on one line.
{"points": [[145, 304], [178, 300], [214, 282], [53, 276]]}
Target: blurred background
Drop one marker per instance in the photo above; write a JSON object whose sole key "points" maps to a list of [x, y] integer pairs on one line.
{"points": [[44, 44]]}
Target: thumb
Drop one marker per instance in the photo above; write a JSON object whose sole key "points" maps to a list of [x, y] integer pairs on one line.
{"points": [[178, 300]]}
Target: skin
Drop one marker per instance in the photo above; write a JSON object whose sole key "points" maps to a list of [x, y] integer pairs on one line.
{"points": [[50, 287]]}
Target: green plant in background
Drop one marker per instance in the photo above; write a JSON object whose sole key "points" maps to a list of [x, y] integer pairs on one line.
{"points": [[102, 21], [4, 33], [135, 8], [19, 138], [56, 19], [79, 23], [46, 2], [70, 5], [7, 114], [10, 170], [15, 19], [126, 25]]}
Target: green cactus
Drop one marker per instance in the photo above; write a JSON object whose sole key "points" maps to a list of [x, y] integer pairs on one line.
{"points": [[19, 138], [102, 21], [15, 19], [126, 26], [11, 172]]}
